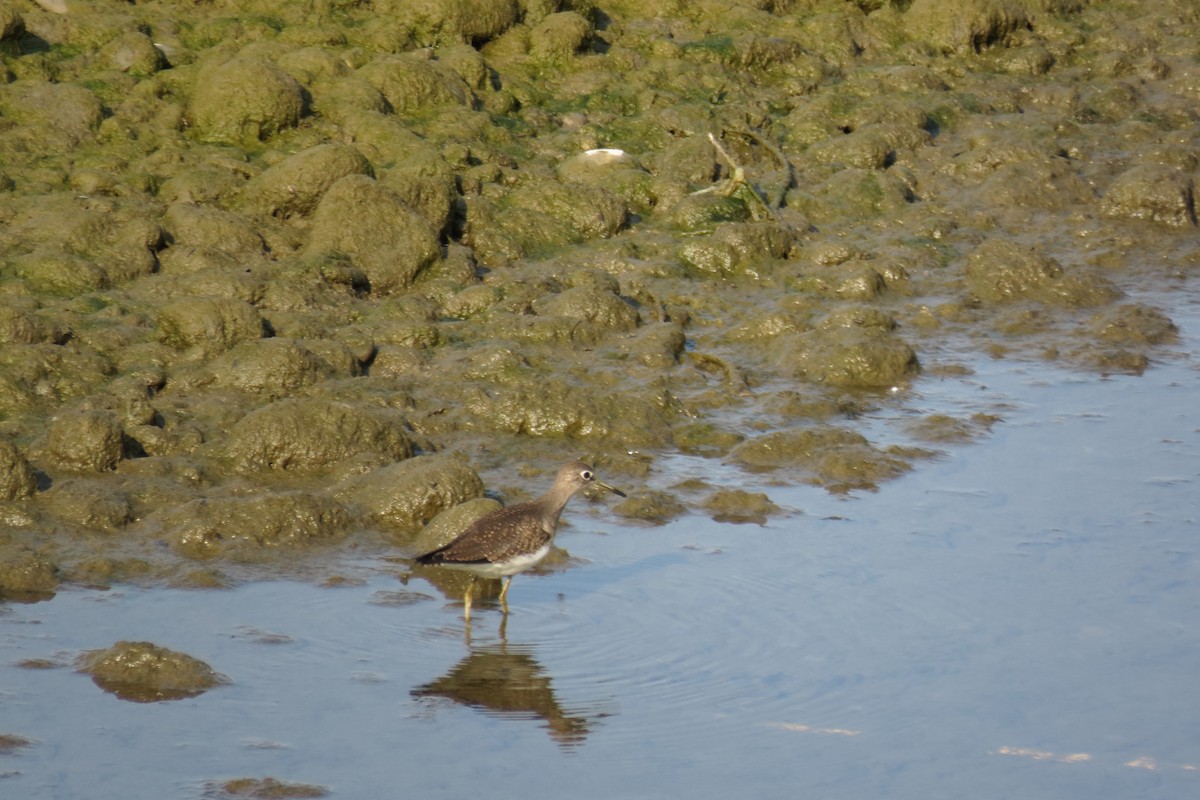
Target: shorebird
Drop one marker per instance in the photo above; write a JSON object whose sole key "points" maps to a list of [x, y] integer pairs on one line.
{"points": [[514, 538]]}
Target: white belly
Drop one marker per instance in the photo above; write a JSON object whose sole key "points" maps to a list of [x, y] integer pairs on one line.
{"points": [[512, 567]]}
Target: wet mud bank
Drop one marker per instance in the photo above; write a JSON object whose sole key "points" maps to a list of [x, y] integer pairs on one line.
{"points": [[291, 280]]}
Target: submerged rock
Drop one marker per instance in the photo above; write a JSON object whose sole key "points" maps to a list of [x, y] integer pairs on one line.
{"points": [[739, 506], [146, 673], [255, 788]]}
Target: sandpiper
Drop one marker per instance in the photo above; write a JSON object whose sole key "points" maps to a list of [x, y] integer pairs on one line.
{"points": [[513, 539]]}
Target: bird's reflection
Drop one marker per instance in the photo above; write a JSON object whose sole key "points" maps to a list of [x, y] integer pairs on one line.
{"points": [[507, 681]]}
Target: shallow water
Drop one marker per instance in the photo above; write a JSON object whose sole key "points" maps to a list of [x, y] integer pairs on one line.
{"points": [[1015, 619]]}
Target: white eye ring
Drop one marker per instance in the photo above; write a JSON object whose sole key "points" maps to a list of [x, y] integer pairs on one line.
{"points": [[586, 475]]}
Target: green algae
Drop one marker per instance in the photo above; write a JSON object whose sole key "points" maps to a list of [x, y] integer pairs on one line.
{"points": [[245, 251]]}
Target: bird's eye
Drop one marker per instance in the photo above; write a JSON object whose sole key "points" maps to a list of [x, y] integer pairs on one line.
{"points": [[586, 475]]}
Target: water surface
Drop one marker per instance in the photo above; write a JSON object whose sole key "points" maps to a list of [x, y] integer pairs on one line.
{"points": [[1014, 619]]}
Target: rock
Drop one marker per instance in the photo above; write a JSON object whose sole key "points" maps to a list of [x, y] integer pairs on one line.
{"points": [[86, 440], [146, 673], [559, 36], [135, 53], [409, 494], [196, 226], [1153, 193], [448, 524], [738, 506], [410, 82], [91, 504], [372, 225], [243, 101], [209, 325], [299, 434], [55, 117], [1000, 270], [271, 367], [964, 26], [847, 357], [253, 528], [296, 185], [25, 573], [17, 480]]}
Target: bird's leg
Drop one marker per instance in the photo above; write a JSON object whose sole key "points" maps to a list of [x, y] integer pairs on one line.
{"points": [[504, 593], [467, 600]]}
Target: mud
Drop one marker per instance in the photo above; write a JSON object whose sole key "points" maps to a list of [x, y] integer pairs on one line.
{"points": [[294, 280]]}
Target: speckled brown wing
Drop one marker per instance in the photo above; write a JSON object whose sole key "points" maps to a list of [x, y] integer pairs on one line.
{"points": [[494, 537]]}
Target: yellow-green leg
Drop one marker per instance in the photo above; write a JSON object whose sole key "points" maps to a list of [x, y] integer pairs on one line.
{"points": [[467, 599], [504, 594]]}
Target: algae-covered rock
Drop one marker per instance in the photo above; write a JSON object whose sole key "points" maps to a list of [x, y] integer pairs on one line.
{"points": [[90, 504], [372, 225], [791, 448], [196, 226], [852, 194], [540, 216], [17, 480], [54, 272], [850, 357], [209, 325], [411, 493], [1154, 193], [12, 28], [21, 327], [740, 506], [865, 148], [252, 528], [446, 21], [614, 170], [426, 184], [650, 506], [50, 117], [272, 367], [1001, 270], [1134, 323], [603, 309], [559, 36], [26, 573], [133, 52], [146, 673], [410, 82], [88, 440], [964, 26], [697, 213], [448, 524], [300, 434], [835, 457], [745, 248], [297, 184], [243, 101], [265, 788], [556, 407]]}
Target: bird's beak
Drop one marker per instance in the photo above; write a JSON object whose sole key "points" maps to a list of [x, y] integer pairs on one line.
{"points": [[612, 489]]}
